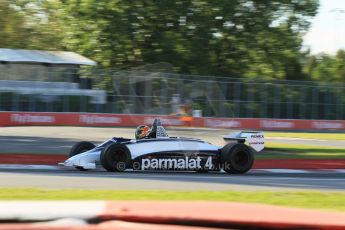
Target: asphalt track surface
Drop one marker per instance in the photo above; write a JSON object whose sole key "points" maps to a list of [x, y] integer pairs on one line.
{"points": [[139, 180], [60, 139]]}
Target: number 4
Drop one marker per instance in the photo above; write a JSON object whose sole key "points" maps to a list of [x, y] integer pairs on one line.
{"points": [[208, 163]]}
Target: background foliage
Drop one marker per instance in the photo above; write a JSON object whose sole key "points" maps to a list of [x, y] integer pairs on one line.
{"points": [[237, 38]]}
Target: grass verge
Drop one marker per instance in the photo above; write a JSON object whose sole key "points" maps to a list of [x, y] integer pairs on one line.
{"points": [[289, 151], [304, 199], [318, 136]]}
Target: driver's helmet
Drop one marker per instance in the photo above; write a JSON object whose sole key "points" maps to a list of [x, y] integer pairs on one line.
{"points": [[142, 131]]}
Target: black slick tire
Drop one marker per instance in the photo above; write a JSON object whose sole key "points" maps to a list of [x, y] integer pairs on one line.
{"points": [[237, 158], [80, 147], [115, 157]]}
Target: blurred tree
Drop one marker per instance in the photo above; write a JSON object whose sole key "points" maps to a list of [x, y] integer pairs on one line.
{"points": [[326, 68], [12, 26], [25, 24], [238, 38]]}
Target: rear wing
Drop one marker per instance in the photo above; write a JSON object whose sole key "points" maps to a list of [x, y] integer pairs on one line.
{"points": [[256, 140]]}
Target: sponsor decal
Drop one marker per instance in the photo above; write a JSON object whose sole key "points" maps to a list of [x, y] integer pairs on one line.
{"points": [[256, 143], [95, 119], [222, 123], [257, 136], [327, 125], [173, 163], [29, 118], [164, 121], [276, 124]]}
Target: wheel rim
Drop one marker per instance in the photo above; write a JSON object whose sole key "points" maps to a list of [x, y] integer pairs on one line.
{"points": [[119, 156], [241, 159]]}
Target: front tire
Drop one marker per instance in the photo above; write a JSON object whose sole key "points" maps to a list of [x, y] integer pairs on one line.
{"points": [[80, 147], [237, 158], [115, 157]]}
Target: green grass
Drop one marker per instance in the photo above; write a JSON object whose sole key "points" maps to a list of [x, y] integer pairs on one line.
{"points": [[283, 150], [288, 151], [319, 136], [305, 199]]}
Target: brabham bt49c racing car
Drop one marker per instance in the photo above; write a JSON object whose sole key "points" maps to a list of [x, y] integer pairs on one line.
{"points": [[153, 149]]}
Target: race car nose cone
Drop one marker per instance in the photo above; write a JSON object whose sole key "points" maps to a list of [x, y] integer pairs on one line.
{"points": [[67, 163]]}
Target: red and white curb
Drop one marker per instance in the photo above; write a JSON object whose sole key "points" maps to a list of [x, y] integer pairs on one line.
{"points": [[168, 213], [298, 170], [59, 168]]}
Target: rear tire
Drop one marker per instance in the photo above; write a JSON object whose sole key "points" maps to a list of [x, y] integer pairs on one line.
{"points": [[115, 157], [237, 158]]}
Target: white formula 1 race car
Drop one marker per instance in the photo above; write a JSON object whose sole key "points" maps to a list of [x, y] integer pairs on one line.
{"points": [[153, 149]]}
